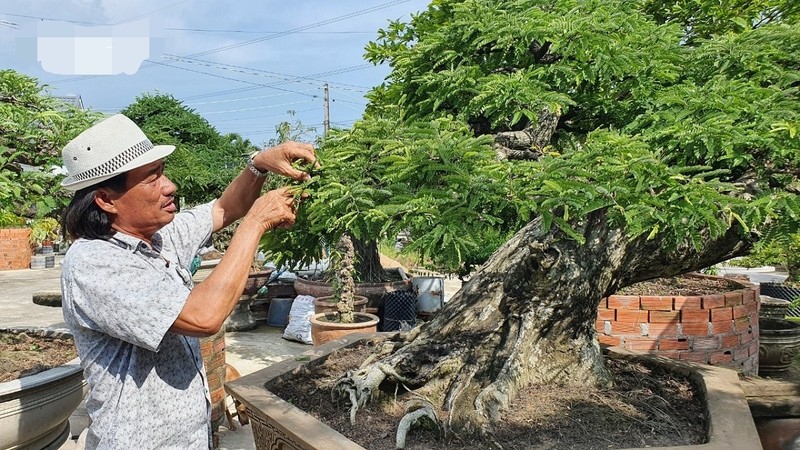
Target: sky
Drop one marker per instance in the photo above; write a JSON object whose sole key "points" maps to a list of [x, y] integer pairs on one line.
{"points": [[242, 65]]}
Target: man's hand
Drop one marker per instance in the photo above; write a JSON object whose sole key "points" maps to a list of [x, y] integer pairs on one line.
{"points": [[275, 209], [279, 159]]}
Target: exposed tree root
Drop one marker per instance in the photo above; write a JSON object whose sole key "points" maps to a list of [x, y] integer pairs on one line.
{"points": [[418, 410]]}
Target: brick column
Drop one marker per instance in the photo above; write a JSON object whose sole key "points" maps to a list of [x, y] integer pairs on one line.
{"points": [[213, 350], [718, 329]]}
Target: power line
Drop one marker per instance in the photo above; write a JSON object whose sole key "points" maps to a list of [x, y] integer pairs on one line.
{"points": [[206, 30], [256, 97], [360, 12], [253, 108], [285, 77]]}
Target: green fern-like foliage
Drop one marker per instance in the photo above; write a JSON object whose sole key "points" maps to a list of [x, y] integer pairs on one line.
{"points": [[679, 126]]}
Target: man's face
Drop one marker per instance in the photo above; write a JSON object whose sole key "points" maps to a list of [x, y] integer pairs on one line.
{"points": [[147, 204]]}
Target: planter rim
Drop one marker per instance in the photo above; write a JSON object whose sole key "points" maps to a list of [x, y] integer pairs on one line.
{"points": [[373, 320], [358, 285], [47, 376], [730, 423], [67, 369], [778, 326], [357, 300]]}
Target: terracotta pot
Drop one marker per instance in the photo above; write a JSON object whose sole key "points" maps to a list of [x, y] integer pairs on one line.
{"points": [[327, 304], [324, 329], [256, 281], [779, 343], [373, 291], [35, 410]]}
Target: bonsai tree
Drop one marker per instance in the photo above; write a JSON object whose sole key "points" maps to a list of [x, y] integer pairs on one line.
{"points": [[601, 143]]}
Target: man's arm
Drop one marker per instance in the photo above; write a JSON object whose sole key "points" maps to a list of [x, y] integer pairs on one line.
{"points": [[211, 301], [246, 187]]}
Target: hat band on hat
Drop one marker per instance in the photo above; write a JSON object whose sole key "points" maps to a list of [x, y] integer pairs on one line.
{"points": [[112, 165]]}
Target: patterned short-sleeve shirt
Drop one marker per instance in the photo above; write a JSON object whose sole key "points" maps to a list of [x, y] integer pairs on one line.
{"points": [[147, 386]]}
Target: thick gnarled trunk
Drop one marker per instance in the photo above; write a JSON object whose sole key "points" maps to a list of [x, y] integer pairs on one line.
{"points": [[528, 316]]}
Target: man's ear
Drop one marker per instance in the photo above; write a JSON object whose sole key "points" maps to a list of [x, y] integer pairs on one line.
{"points": [[105, 199]]}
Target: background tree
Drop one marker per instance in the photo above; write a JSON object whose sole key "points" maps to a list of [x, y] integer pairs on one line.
{"points": [[204, 161], [631, 145], [34, 127]]}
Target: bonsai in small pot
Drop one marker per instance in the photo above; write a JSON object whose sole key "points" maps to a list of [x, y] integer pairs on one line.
{"points": [[327, 326]]}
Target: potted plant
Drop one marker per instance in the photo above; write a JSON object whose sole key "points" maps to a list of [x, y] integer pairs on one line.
{"points": [[326, 326], [44, 232]]}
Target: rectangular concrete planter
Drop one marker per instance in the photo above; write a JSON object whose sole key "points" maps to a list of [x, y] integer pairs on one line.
{"points": [[277, 424]]}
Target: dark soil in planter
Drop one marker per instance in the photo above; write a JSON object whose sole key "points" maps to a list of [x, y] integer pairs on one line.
{"points": [[681, 285], [23, 355], [646, 407]]}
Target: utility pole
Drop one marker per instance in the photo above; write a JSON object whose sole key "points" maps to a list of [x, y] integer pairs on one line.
{"points": [[326, 123]]}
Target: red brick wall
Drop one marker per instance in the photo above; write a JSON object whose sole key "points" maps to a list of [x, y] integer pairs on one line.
{"points": [[719, 329], [213, 350], [15, 248]]}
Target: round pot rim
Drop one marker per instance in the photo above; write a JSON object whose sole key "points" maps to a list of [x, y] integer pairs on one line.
{"points": [[778, 326], [358, 285], [323, 301], [373, 320]]}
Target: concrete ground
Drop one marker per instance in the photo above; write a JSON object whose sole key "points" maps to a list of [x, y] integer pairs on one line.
{"points": [[247, 351]]}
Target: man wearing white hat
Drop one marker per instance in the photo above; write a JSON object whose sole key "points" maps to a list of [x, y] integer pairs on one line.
{"points": [[128, 296]]}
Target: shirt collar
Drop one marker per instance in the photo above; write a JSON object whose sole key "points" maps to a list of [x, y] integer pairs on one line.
{"points": [[135, 244]]}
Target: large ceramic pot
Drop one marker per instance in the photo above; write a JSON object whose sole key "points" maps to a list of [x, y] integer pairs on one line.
{"points": [[324, 327], [779, 344], [773, 308], [328, 304], [373, 291], [35, 410]]}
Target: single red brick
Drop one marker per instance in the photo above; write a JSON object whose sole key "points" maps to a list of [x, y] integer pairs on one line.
{"points": [[722, 327], [656, 303], [695, 329], [600, 326], [673, 344], [684, 303], [721, 314], [743, 310], [623, 302], [662, 329], [742, 323], [713, 301], [700, 357], [749, 296], [610, 340], [624, 315], [618, 328], [668, 354], [640, 344], [721, 357], [730, 341], [603, 303], [694, 316], [705, 343], [733, 298], [665, 316], [606, 314]]}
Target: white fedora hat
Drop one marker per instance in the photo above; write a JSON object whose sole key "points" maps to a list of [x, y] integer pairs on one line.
{"points": [[109, 148]]}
